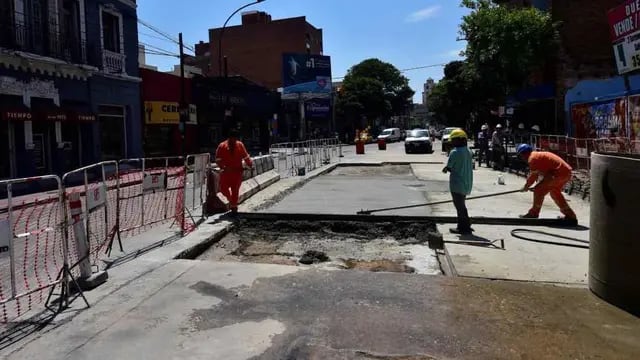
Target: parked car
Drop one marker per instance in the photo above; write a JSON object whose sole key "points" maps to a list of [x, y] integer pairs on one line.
{"points": [[390, 135], [418, 141], [446, 144]]}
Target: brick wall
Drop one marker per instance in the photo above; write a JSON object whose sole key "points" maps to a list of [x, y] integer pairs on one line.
{"points": [[254, 49]]}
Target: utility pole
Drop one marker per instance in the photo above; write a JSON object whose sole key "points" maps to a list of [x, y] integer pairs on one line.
{"points": [[184, 108]]}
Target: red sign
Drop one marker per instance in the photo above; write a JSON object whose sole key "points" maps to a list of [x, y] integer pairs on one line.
{"points": [[624, 20], [17, 115]]}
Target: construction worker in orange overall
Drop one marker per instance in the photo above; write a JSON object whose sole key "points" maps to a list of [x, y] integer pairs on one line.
{"points": [[229, 157], [556, 173]]}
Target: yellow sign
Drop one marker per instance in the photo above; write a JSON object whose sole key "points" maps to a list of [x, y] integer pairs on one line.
{"points": [[161, 112]]}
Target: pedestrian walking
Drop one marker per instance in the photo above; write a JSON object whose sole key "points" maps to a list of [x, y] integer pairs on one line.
{"points": [[230, 156], [555, 174], [460, 167]]}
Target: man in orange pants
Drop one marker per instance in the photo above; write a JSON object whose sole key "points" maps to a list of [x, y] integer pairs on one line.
{"points": [[556, 173], [229, 157]]}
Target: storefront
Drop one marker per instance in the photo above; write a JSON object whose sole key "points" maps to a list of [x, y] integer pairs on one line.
{"points": [[235, 102], [161, 95], [41, 125], [118, 131]]}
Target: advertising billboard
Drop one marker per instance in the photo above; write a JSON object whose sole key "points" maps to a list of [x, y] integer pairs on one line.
{"points": [[624, 26], [304, 73], [600, 120]]}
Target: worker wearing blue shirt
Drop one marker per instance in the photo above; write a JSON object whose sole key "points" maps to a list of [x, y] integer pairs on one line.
{"points": [[460, 167]]}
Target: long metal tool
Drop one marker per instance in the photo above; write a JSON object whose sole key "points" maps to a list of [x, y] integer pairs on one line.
{"points": [[369, 212]]}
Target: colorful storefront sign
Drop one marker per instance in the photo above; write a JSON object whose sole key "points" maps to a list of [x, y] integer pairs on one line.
{"points": [[600, 120]]}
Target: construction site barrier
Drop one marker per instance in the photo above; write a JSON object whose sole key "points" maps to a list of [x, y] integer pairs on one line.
{"points": [[195, 190], [97, 199], [294, 158], [151, 191], [33, 247]]}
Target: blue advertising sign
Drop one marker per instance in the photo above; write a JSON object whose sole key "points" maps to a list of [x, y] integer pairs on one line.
{"points": [[317, 108], [304, 73]]}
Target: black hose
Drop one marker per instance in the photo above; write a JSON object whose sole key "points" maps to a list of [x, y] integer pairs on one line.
{"points": [[515, 233]]}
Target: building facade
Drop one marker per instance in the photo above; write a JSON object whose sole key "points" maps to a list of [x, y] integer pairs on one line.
{"points": [[69, 85], [161, 96], [427, 90], [254, 49]]}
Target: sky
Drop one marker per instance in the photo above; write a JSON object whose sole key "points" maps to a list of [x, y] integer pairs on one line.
{"points": [[405, 33]]}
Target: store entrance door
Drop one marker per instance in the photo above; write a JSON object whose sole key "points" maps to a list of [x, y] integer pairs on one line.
{"points": [[42, 147]]}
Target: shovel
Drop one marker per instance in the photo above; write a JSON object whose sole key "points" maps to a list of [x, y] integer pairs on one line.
{"points": [[369, 212]]}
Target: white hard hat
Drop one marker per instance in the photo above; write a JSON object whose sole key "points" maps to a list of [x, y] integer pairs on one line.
{"points": [[484, 127], [499, 126], [521, 126], [535, 128]]}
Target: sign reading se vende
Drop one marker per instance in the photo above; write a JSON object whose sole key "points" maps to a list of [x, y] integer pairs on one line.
{"points": [[624, 25], [624, 20]]}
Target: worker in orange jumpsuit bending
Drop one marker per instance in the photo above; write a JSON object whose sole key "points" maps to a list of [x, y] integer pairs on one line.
{"points": [[229, 157], [556, 173]]}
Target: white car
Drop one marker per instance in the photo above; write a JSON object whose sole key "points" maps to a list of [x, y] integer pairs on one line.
{"points": [[418, 140], [390, 135]]}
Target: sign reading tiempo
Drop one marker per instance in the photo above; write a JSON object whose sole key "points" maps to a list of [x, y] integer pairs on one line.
{"points": [[624, 25], [303, 73]]}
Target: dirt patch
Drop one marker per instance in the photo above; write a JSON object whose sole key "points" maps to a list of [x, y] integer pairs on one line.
{"points": [[403, 232], [379, 266], [367, 246]]}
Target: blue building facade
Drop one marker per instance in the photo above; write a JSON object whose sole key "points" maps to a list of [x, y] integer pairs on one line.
{"points": [[69, 85]]}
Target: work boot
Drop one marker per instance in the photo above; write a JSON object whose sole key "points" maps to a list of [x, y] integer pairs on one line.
{"points": [[529, 216]]}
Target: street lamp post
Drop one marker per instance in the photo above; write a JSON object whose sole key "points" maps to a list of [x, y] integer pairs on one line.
{"points": [[222, 33]]}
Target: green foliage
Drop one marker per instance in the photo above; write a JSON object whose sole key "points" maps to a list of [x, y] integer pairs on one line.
{"points": [[373, 88], [506, 44]]}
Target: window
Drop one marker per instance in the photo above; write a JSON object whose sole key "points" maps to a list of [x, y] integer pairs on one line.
{"points": [[111, 32], [70, 30], [112, 123]]}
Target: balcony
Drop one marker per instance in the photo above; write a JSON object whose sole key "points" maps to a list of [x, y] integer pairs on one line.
{"points": [[38, 40], [113, 62]]}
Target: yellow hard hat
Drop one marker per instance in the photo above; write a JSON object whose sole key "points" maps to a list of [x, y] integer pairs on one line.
{"points": [[458, 134]]}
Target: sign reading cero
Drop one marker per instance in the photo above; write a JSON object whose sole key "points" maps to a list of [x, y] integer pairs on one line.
{"points": [[163, 112]]}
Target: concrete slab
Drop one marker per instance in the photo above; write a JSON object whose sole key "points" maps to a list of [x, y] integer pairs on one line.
{"points": [[521, 260], [202, 310]]}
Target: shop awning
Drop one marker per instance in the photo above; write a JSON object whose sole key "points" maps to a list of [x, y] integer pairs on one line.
{"points": [[13, 108], [47, 110]]}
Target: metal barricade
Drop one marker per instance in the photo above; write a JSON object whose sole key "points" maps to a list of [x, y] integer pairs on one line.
{"points": [[33, 246], [151, 191], [309, 154], [97, 188], [195, 190]]}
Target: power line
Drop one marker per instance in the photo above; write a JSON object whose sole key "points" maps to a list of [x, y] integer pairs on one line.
{"points": [[156, 49], [164, 34], [404, 70]]}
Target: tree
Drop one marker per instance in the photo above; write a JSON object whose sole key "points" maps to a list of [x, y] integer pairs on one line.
{"points": [[506, 44], [374, 89], [456, 96]]}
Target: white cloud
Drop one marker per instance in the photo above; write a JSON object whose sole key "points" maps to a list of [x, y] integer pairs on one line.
{"points": [[423, 14]]}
